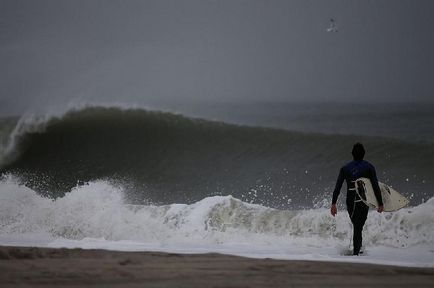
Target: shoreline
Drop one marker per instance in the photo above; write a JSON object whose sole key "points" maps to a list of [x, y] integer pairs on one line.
{"points": [[53, 267]]}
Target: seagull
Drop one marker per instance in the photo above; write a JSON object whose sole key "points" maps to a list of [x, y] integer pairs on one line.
{"points": [[332, 27]]}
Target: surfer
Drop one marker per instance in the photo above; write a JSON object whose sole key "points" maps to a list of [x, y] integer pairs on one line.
{"points": [[357, 210]]}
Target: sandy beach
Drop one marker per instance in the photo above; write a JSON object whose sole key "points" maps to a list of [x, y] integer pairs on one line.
{"points": [[46, 267]]}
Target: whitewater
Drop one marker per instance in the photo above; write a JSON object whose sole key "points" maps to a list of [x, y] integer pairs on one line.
{"points": [[96, 216]]}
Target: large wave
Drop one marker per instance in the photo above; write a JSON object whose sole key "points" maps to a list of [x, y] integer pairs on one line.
{"points": [[167, 158], [98, 210]]}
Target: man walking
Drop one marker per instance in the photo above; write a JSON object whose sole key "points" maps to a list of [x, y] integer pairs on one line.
{"points": [[357, 210]]}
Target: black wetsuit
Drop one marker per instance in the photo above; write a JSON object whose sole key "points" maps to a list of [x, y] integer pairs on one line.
{"points": [[357, 210]]}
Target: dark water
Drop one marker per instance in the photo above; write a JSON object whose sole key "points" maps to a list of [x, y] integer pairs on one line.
{"points": [[403, 121], [167, 158]]}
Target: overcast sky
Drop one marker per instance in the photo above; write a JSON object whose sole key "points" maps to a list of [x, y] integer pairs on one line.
{"points": [[56, 52]]}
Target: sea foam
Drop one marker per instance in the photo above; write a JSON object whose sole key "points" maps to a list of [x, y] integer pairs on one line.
{"points": [[96, 216], [99, 210]]}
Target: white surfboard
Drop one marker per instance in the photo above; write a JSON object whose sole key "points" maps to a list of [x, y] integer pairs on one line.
{"points": [[392, 200]]}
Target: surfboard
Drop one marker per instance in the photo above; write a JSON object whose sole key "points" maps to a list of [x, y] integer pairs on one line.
{"points": [[392, 200]]}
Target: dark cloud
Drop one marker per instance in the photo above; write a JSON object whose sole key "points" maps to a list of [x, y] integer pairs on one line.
{"points": [[54, 52]]}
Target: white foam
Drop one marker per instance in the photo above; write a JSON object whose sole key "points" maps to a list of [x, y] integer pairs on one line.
{"points": [[95, 216]]}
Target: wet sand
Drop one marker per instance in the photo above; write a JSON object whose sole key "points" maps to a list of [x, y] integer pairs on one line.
{"points": [[43, 267]]}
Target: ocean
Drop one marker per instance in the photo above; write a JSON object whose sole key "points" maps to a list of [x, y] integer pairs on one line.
{"points": [[248, 179]]}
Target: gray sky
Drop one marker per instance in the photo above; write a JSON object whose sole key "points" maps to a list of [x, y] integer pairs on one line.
{"points": [[142, 52]]}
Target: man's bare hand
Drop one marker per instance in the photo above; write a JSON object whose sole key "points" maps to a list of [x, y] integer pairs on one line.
{"points": [[333, 210], [380, 209]]}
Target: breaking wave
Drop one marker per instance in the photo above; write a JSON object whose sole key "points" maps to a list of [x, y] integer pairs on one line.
{"points": [[167, 158]]}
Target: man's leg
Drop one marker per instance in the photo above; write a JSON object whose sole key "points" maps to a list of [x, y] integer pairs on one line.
{"points": [[359, 218]]}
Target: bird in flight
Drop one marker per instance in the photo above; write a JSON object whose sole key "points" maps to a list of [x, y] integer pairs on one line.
{"points": [[332, 27]]}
